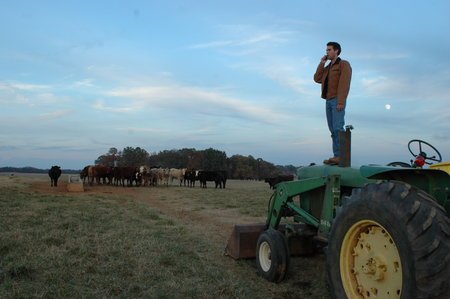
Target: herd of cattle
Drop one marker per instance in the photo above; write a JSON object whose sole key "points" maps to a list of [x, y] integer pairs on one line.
{"points": [[150, 176], [153, 176]]}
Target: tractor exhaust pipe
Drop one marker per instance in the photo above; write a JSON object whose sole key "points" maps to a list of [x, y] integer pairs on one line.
{"points": [[345, 144]]}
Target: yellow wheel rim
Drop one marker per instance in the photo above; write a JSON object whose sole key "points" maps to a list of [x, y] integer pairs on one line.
{"points": [[370, 264]]}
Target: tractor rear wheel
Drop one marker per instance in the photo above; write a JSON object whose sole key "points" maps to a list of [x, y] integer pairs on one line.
{"points": [[389, 240], [272, 255]]}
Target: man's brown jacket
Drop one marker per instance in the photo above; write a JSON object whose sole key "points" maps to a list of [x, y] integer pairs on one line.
{"points": [[335, 82]]}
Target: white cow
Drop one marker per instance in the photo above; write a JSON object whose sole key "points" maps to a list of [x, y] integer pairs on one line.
{"points": [[178, 174], [162, 175], [145, 175]]}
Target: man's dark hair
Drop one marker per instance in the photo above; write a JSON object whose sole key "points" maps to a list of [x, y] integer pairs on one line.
{"points": [[335, 46]]}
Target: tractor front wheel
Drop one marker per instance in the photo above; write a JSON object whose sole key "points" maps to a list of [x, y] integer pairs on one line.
{"points": [[272, 255], [389, 240]]}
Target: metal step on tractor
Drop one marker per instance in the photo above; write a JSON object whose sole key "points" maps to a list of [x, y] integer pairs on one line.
{"points": [[385, 230]]}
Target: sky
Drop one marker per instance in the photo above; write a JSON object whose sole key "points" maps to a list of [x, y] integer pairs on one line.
{"points": [[80, 77]]}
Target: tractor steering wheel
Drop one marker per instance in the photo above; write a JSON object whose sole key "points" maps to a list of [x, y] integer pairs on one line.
{"points": [[423, 153]]}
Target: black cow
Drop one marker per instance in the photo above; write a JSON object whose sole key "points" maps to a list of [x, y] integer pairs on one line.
{"points": [[190, 176], [280, 178], [54, 173], [219, 177]]}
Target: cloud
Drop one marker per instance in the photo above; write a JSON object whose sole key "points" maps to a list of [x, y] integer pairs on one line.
{"points": [[143, 130], [213, 44], [252, 40], [285, 71], [84, 83], [15, 86], [54, 115], [8, 148], [383, 85], [285, 77], [27, 94], [379, 56], [195, 100], [100, 105]]}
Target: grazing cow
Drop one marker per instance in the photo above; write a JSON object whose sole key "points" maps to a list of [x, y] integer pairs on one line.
{"points": [[54, 173], [219, 177], [280, 178]]}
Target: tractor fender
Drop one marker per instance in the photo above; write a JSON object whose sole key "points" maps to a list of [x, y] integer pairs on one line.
{"points": [[432, 181]]}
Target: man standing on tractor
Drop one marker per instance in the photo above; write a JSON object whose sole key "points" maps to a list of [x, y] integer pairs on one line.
{"points": [[335, 80]]}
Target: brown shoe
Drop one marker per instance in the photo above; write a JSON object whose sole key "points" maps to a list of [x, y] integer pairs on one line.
{"points": [[333, 161], [327, 161]]}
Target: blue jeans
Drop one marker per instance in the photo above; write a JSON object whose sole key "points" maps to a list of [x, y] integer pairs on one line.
{"points": [[336, 123]]}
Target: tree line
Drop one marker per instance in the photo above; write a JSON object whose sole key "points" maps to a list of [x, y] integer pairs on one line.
{"points": [[237, 166], [33, 170]]}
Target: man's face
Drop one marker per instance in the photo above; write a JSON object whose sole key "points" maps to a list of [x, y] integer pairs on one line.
{"points": [[331, 53]]}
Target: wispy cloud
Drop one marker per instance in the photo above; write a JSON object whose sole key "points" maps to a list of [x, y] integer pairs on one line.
{"points": [[382, 85], [380, 56], [195, 100], [28, 94], [287, 78], [213, 44], [22, 86], [142, 130], [249, 42], [54, 114], [100, 105], [84, 83]]}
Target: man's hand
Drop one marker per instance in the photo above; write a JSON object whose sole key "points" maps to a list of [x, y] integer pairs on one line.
{"points": [[339, 107], [323, 59]]}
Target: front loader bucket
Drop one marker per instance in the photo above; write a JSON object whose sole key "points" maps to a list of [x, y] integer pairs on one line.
{"points": [[243, 240]]}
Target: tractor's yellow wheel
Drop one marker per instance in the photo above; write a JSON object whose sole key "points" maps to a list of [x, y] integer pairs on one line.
{"points": [[369, 262], [389, 240]]}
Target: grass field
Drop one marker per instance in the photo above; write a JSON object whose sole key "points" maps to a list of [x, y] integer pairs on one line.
{"points": [[159, 242]]}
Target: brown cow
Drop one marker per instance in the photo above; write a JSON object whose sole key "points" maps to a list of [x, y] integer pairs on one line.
{"points": [[84, 173], [100, 173], [128, 174]]}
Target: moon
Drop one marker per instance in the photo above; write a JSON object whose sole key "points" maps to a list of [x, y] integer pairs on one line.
{"points": [[387, 106]]}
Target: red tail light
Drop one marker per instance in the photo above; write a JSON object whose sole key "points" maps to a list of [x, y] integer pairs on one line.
{"points": [[420, 161]]}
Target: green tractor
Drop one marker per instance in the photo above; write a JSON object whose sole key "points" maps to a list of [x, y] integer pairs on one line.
{"points": [[385, 229]]}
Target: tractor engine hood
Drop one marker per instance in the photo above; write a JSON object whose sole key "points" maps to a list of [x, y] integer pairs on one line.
{"points": [[377, 172]]}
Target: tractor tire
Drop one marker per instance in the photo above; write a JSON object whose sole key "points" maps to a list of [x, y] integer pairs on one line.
{"points": [[389, 240], [272, 255]]}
